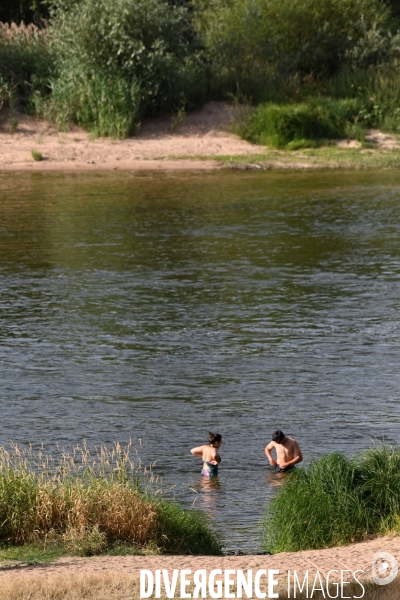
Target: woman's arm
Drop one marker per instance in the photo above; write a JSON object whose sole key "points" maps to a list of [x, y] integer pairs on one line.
{"points": [[198, 451]]}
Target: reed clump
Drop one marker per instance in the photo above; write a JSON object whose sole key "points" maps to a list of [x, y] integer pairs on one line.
{"points": [[90, 502], [336, 501]]}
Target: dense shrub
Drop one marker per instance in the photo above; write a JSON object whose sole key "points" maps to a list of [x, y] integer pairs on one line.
{"points": [[336, 501], [294, 125], [150, 42], [250, 40], [377, 92]]}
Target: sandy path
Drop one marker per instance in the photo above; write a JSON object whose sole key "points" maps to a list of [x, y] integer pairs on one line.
{"points": [[352, 557], [160, 144]]}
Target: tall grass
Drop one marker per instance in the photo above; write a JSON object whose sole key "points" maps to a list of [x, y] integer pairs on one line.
{"points": [[105, 104], [89, 502], [336, 501]]}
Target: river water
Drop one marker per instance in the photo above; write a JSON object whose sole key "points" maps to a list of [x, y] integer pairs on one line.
{"points": [[159, 306]]}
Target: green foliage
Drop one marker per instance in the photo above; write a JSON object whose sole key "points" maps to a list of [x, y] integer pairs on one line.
{"points": [[301, 125], [26, 62], [250, 41], [148, 41], [186, 532], [335, 501], [378, 471], [376, 48], [106, 104], [326, 69], [36, 155], [377, 92]]}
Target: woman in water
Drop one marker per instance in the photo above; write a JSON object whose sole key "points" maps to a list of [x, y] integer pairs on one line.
{"points": [[209, 454]]}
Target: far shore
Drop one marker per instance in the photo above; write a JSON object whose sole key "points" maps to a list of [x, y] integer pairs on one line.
{"points": [[198, 141]]}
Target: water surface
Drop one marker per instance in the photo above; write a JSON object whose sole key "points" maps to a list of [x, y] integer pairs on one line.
{"points": [[159, 306]]}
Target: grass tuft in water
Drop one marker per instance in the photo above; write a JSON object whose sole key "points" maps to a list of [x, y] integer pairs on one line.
{"points": [[336, 501]]}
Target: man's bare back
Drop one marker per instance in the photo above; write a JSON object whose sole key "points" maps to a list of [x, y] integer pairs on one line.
{"points": [[287, 451]]}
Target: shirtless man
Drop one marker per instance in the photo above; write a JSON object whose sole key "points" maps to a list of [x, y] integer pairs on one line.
{"points": [[287, 450]]}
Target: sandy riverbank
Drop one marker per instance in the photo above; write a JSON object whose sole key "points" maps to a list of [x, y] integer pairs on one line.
{"points": [[161, 143], [126, 569], [198, 141]]}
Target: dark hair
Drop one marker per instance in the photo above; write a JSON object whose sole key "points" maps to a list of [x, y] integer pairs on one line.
{"points": [[213, 438], [278, 436]]}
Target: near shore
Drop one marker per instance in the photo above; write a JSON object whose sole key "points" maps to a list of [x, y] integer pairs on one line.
{"points": [[195, 141], [118, 577]]}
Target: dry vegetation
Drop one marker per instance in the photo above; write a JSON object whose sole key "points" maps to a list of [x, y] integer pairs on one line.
{"points": [[88, 502], [118, 586], [10, 32]]}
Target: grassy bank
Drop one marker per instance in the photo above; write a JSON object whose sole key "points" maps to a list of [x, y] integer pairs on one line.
{"points": [[84, 504], [336, 501], [326, 157]]}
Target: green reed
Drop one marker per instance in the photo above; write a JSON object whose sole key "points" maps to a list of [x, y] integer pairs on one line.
{"points": [[336, 501], [91, 502]]}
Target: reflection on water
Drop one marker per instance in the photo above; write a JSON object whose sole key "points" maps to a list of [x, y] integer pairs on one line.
{"points": [[207, 489], [275, 479], [163, 306]]}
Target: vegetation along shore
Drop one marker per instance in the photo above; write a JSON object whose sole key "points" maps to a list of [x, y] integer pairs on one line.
{"points": [[335, 514], [85, 504], [299, 74]]}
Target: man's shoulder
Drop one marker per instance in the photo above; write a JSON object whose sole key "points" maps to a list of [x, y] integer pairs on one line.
{"points": [[291, 440]]}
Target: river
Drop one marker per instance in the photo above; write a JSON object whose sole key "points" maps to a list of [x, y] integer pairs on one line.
{"points": [[158, 306]]}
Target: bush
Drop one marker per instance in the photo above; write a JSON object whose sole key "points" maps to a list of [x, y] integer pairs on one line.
{"points": [[377, 92], [335, 501], [286, 125], [149, 42], [251, 41]]}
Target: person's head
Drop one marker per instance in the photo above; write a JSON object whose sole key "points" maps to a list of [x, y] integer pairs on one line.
{"points": [[214, 439], [278, 436]]}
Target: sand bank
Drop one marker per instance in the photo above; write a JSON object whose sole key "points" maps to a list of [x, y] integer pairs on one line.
{"points": [[162, 143], [352, 557], [194, 141]]}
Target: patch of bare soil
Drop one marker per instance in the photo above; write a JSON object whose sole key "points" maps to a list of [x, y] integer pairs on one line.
{"points": [[384, 141]]}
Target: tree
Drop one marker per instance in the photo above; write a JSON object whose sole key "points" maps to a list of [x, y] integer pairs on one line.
{"points": [[29, 11]]}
